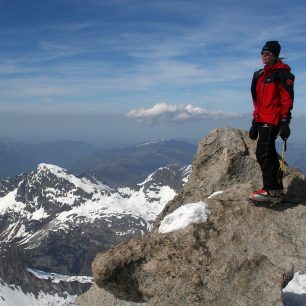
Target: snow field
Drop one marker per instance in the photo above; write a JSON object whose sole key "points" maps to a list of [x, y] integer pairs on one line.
{"points": [[11, 295]]}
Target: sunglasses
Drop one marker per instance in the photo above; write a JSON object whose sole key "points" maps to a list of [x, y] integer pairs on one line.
{"points": [[266, 53]]}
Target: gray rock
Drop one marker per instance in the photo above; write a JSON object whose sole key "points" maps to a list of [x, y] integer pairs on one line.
{"points": [[244, 254], [96, 296]]}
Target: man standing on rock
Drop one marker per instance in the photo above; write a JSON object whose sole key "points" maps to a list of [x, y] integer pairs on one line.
{"points": [[272, 93]]}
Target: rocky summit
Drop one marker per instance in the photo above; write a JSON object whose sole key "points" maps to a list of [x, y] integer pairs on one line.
{"points": [[243, 255]]}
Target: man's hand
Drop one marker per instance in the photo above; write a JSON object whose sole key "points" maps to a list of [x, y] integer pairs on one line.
{"points": [[253, 133], [284, 129]]}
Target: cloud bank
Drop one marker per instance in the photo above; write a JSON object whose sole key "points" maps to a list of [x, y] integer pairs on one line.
{"points": [[176, 113]]}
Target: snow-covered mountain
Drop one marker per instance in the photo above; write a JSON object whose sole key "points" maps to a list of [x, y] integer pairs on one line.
{"points": [[61, 220]]}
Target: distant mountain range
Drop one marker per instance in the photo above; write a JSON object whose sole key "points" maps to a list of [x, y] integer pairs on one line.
{"points": [[300, 162], [298, 159], [295, 155], [119, 166], [128, 165], [16, 157]]}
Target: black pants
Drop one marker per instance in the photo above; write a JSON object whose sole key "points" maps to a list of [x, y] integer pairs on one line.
{"points": [[267, 157]]}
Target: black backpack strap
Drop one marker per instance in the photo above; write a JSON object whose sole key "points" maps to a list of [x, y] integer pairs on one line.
{"points": [[256, 75]]}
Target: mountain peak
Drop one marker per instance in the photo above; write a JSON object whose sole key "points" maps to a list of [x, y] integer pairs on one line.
{"points": [[49, 167]]}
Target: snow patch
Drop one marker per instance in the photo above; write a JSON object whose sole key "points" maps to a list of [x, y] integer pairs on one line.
{"points": [[9, 203], [294, 294], [11, 295], [151, 142], [56, 278], [39, 214], [183, 216], [186, 171], [63, 174], [215, 193]]}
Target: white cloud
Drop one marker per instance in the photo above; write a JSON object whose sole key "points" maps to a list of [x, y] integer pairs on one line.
{"points": [[176, 113]]}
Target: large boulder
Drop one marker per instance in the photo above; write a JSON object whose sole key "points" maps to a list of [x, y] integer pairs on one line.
{"points": [[243, 255]]}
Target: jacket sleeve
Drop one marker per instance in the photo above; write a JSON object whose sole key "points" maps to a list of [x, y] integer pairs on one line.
{"points": [[286, 94], [256, 75]]}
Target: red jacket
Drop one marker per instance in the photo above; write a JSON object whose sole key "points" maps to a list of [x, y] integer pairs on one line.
{"points": [[272, 92]]}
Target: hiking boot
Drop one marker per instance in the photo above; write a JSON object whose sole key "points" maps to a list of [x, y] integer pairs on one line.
{"points": [[262, 195]]}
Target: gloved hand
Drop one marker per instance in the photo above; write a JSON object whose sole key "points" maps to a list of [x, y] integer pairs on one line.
{"points": [[284, 129], [253, 133]]}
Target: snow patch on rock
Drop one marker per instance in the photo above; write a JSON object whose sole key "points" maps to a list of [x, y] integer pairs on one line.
{"points": [[294, 294], [183, 216]]}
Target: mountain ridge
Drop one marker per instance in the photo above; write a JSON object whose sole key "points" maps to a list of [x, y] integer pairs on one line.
{"points": [[128, 165]]}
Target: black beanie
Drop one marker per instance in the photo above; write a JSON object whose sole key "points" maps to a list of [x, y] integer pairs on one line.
{"points": [[272, 46]]}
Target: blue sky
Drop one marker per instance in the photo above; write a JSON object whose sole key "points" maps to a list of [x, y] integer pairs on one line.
{"points": [[74, 69]]}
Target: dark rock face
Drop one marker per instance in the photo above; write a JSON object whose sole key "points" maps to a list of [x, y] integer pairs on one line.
{"points": [[243, 255], [173, 176], [72, 251], [13, 271], [9, 184]]}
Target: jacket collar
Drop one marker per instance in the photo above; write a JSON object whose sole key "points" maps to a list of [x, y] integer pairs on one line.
{"points": [[278, 65]]}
